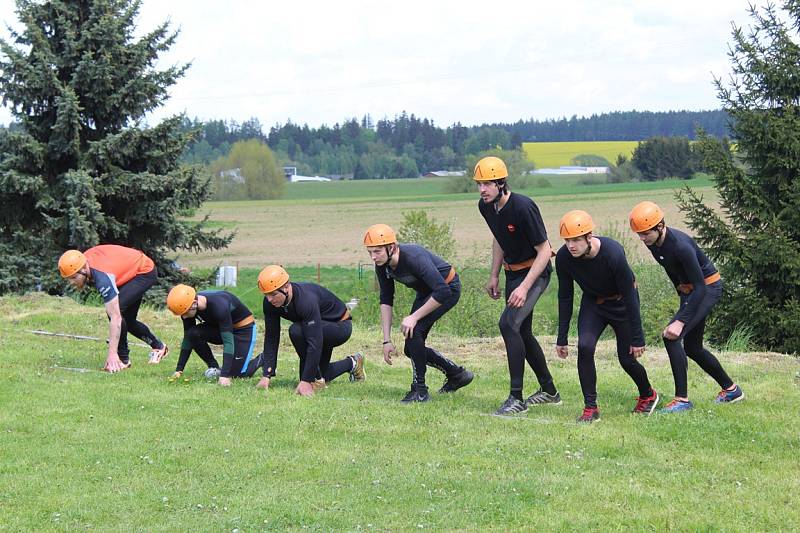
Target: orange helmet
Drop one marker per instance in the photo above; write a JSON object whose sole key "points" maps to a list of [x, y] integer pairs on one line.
{"points": [[272, 278], [489, 169], [70, 262], [378, 235], [180, 299], [575, 223], [645, 216]]}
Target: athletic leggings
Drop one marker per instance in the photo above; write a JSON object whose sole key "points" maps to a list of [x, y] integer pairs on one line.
{"points": [[238, 365], [516, 327], [415, 349], [130, 298], [592, 320], [333, 334], [690, 344]]}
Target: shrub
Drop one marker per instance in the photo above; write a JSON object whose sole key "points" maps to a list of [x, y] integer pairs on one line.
{"points": [[420, 229]]}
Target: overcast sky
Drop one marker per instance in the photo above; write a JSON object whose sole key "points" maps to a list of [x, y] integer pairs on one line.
{"points": [[451, 61]]}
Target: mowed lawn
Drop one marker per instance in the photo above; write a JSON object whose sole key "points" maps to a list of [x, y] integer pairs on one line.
{"points": [[84, 450], [325, 222]]}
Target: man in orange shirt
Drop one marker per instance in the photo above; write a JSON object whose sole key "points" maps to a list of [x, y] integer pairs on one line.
{"points": [[122, 276]]}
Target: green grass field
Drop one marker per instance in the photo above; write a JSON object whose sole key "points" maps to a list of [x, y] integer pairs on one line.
{"points": [[88, 450], [556, 154], [82, 449]]}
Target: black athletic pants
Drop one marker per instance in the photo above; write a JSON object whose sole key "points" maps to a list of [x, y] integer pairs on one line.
{"points": [[415, 349], [333, 334], [690, 344], [592, 320], [241, 363], [516, 327], [130, 298]]}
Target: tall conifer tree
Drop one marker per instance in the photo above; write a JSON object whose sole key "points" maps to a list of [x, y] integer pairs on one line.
{"points": [[756, 242], [84, 169]]}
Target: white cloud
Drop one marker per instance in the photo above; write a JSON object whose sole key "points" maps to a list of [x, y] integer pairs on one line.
{"points": [[450, 61]]}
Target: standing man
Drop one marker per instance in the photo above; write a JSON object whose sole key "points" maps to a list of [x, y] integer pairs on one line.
{"points": [[599, 267], [520, 246], [699, 287], [121, 275], [438, 289], [224, 320], [320, 322]]}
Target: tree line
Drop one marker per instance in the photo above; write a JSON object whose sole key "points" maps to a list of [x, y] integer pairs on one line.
{"points": [[407, 145]]}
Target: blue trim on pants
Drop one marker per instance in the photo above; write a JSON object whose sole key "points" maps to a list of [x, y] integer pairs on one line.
{"points": [[250, 351]]}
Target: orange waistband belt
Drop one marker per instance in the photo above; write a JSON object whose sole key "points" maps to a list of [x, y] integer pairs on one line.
{"points": [[687, 288], [518, 266], [345, 316], [451, 275], [244, 322]]}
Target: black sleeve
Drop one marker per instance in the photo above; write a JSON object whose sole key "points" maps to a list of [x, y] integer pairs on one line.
{"points": [[186, 345], [272, 337], [687, 257], [566, 294], [386, 286], [623, 275]]}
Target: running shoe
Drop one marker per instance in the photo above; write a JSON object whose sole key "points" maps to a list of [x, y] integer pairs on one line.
{"points": [[417, 394], [511, 406], [677, 406], [589, 415], [157, 354], [456, 381], [357, 373], [646, 404], [730, 396], [541, 397]]}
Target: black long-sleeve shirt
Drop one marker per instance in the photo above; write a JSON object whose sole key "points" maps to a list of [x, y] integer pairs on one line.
{"points": [[606, 274], [684, 262], [418, 269], [223, 309], [309, 306], [518, 228]]}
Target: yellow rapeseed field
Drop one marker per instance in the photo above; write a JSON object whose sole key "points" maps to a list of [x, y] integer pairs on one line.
{"points": [[556, 154]]}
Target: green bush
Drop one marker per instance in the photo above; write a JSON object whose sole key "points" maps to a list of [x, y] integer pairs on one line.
{"points": [[436, 237]]}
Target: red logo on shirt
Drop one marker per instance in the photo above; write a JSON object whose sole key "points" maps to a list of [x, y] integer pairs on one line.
{"points": [[511, 228]]}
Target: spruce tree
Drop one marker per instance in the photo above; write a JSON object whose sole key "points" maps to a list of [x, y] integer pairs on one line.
{"points": [[756, 241], [83, 168]]}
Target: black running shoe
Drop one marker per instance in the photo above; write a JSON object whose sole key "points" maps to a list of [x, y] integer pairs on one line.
{"points": [[540, 397], [511, 406], [455, 382], [416, 394]]}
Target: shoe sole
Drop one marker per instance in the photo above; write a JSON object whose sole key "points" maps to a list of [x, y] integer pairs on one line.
{"points": [[464, 384], [363, 374], [509, 415]]}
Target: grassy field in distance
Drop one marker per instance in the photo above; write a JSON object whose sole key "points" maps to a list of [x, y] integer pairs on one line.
{"points": [[325, 222]]}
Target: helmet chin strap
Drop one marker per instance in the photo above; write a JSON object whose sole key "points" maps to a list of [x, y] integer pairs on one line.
{"points": [[502, 188], [588, 248]]}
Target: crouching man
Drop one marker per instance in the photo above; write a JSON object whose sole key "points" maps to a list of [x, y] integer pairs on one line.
{"points": [[225, 321]]}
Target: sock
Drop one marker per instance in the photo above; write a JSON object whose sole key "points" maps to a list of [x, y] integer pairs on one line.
{"points": [[517, 394]]}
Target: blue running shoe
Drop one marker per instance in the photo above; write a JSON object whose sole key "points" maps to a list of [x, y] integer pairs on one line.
{"points": [[730, 396], [677, 406]]}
